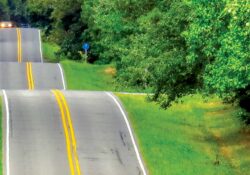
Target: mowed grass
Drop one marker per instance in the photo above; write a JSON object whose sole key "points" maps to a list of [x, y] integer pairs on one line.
{"points": [[49, 52], [83, 76], [79, 75], [190, 138], [1, 143]]}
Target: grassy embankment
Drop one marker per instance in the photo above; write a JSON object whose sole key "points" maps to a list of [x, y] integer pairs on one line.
{"points": [[189, 138], [49, 52], [83, 76], [192, 138]]}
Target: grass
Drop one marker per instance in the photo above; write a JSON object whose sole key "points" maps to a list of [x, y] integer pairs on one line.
{"points": [[49, 52], [84, 76], [192, 138], [1, 143]]}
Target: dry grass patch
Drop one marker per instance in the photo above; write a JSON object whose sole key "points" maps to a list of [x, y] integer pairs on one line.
{"points": [[110, 71]]}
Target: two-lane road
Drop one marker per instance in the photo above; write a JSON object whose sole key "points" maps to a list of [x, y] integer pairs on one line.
{"points": [[38, 145], [17, 76], [20, 45], [52, 132]]}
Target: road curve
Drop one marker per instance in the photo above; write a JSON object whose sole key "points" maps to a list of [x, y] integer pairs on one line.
{"points": [[36, 136], [20, 45], [14, 76]]}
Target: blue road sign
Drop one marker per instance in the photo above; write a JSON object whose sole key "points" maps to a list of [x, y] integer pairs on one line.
{"points": [[85, 46]]}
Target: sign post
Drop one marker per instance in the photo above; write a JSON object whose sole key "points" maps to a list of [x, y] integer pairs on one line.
{"points": [[86, 47]]}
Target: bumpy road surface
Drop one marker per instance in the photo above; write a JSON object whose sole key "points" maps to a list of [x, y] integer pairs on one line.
{"points": [[22, 45], [31, 76], [58, 132]]}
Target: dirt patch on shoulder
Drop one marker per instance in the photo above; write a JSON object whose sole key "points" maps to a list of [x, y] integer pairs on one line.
{"points": [[226, 151], [110, 71], [245, 137]]}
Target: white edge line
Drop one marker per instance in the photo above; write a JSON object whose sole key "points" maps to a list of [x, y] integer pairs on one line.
{"points": [[63, 80], [40, 42], [7, 133], [130, 132]]}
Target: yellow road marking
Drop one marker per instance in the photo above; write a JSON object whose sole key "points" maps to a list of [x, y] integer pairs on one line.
{"points": [[66, 107], [30, 76], [68, 127], [19, 45]]}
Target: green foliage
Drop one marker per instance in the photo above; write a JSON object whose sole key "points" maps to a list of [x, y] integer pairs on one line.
{"points": [[61, 21], [141, 37], [107, 29], [176, 47], [219, 39], [39, 14], [17, 10], [3, 10], [83, 76], [50, 52]]}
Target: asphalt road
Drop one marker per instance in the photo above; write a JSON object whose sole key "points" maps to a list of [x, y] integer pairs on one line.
{"points": [[37, 141], [52, 132], [8, 45], [45, 76], [30, 45]]}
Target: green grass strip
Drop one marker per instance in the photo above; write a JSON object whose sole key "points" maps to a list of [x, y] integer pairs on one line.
{"points": [[82, 76], [194, 137], [49, 52]]}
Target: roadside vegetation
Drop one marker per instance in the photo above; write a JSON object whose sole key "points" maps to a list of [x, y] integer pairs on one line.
{"points": [[50, 52], [192, 137], [174, 47], [80, 75], [3, 10], [199, 135]]}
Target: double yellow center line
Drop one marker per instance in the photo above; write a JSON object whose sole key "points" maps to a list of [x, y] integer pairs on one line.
{"points": [[68, 132], [19, 45], [29, 73]]}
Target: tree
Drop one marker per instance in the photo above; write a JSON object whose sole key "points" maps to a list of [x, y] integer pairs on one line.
{"points": [[61, 21], [4, 14], [218, 37], [176, 47], [156, 57]]}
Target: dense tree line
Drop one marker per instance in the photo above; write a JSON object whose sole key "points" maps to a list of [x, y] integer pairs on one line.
{"points": [[14, 10], [176, 47], [3, 10]]}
